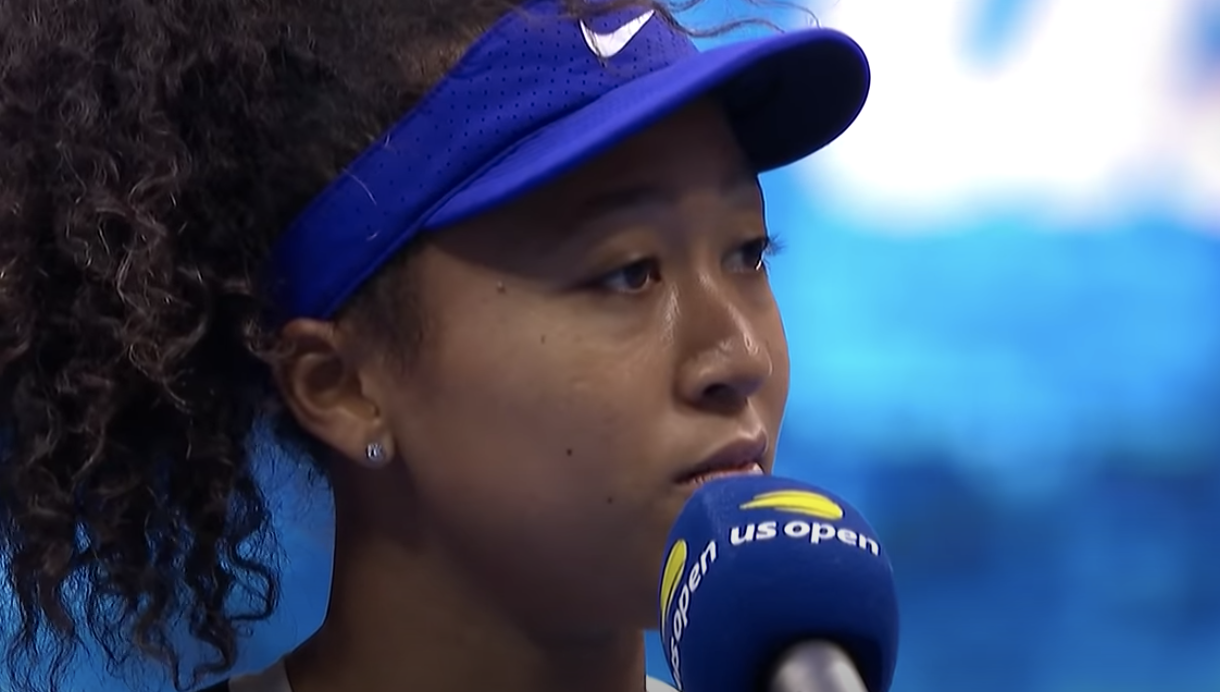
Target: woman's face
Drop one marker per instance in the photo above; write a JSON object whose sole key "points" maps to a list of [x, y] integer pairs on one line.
{"points": [[584, 351]]}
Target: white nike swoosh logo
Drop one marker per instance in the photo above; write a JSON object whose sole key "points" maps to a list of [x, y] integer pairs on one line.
{"points": [[606, 46]]}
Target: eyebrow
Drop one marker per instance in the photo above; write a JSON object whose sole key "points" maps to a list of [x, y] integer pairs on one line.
{"points": [[618, 199]]}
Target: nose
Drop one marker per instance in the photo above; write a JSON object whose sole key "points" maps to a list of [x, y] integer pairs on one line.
{"points": [[726, 357]]}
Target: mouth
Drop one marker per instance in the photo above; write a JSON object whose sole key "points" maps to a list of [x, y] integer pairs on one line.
{"points": [[739, 458]]}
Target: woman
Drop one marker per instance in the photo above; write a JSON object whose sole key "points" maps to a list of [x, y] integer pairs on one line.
{"points": [[499, 267]]}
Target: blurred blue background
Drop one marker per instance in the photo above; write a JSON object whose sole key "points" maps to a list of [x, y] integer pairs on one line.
{"points": [[1002, 291], [1002, 294]]}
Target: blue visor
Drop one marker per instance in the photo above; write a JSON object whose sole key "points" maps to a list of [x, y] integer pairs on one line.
{"points": [[535, 96]]}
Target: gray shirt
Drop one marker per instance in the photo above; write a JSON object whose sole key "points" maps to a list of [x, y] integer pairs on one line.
{"points": [[275, 679]]}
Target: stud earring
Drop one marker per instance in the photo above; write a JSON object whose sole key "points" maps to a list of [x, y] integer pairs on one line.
{"points": [[375, 454]]}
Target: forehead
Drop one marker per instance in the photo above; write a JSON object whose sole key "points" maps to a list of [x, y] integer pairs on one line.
{"points": [[689, 156]]}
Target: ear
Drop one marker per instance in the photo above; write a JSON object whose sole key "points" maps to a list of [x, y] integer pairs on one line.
{"points": [[324, 384]]}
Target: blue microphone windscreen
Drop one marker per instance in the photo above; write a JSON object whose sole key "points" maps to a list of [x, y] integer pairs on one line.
{"points": [[756, 564]]}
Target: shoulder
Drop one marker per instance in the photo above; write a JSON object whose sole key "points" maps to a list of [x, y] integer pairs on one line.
{"points": [[273, 679]]}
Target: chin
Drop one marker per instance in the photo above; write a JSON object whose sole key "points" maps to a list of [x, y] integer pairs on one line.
{"points": [[635, 609]]}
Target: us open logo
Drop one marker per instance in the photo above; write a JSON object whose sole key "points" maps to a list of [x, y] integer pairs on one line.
{"points": [[805, 503], [678, 586]]}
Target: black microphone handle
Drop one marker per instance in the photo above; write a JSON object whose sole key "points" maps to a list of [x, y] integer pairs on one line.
{"points": [[816, 666]]}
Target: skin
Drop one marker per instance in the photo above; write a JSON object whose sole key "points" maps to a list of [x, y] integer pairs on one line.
{"points": [[583, 348]]}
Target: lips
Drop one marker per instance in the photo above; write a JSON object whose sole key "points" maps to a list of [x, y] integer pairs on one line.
{"points": [[739, 458]]}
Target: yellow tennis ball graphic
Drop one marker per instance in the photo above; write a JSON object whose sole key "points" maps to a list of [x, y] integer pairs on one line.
{"points": [[797, 502], [675, 565]]}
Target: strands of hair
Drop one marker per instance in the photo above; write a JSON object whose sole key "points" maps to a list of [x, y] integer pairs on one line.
{"points": [[151, 153]]}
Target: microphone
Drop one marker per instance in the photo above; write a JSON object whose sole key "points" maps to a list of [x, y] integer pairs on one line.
{"points": [[772, 585]]}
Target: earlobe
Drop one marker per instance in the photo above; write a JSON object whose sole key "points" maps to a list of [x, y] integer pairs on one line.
{"points": [[321, 385], [375, 455]]}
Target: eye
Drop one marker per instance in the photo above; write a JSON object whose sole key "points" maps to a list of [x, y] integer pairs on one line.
{"points": [[632, 278], [752, 255]]}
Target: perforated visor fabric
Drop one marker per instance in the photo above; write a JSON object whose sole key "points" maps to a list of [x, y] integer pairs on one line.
{"points": [[530, 100]]}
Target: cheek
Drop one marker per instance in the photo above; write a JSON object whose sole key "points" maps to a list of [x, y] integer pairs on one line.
{"points": [[519, 409], [524, 449]]}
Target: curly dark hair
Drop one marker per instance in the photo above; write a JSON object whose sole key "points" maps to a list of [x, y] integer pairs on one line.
{"points": [[152, 151]]}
